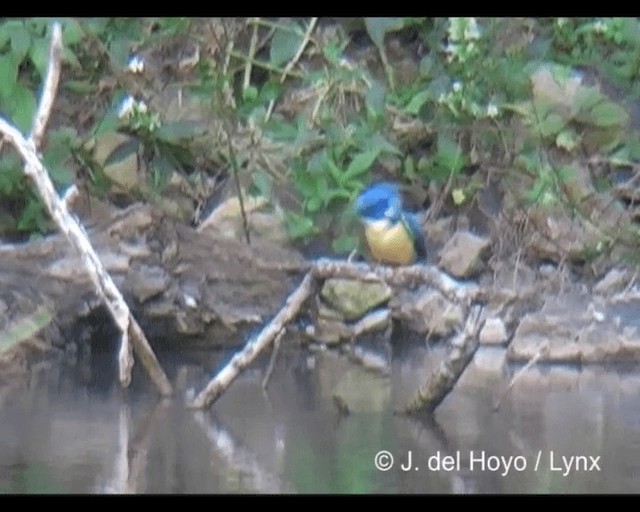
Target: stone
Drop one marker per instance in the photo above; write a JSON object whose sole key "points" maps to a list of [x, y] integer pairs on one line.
{"points": [[493, 332], [353, 299], [427, 311], [462, 254]]}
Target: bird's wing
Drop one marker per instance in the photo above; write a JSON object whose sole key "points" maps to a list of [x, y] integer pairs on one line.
{"points": [[413, 226]]}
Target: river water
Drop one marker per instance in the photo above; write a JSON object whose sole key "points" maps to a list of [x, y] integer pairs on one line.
{"points": [[556, 430]]}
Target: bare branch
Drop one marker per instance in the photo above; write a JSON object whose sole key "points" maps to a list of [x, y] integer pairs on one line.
{"points": [[252, 349], [50, 87], [74, 233], [400, 276]]}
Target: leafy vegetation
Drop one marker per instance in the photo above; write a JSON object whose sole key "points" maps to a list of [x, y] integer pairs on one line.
{"points": [[315, 109]]}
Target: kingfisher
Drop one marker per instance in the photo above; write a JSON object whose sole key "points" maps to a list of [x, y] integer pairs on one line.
{"points": [[393, 234]]}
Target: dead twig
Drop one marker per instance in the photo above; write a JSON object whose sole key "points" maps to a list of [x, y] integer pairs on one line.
{"points": [[456, 291], [543, 350], [411, 275], [252, 349], [73, 231], [272, 361], [287, 70]]}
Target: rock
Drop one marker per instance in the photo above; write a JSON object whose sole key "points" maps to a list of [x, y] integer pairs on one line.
{"points": [[149, 281], [556, 234], [493, 332], [352, 299], [440, 230], [580, 333], [612, 282], [427, 310], [462, 254]]}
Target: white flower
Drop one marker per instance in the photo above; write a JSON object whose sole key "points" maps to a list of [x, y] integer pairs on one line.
{"points": [[600, 27], [457, 86], [136, 64], [492, 110], [471, 30], [127, 106]]}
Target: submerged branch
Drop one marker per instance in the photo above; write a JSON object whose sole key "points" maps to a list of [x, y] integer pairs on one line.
{"points": [[252, 349], [438, 385]]}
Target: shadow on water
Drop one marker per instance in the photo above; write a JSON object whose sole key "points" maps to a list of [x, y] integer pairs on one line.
{"points": [[557, 430]]}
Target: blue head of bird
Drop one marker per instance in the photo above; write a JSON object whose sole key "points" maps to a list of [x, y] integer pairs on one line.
{"points": [[393, 235]]}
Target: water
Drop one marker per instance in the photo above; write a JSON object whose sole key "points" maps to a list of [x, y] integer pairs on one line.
{"points": [[65, 431]]}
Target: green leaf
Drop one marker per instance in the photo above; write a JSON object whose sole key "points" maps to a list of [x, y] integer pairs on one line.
{"points": [[299, 226], [426, 65], [69, 57], [585, 99], [409, 168], [360, 164], [20, 40], [314, 204], [161, 170], [56, 157], [449, 154], [609, 114], [375, 99], [335, 171], [119, 51], [72, 32], [378, 142], [279, 130], [551, 125], [8, 76], [307, 183], [377, 28], [263, 182], [567, 139], [417, 102], [250, 94], [24, 328], [345, 244], [32, 216], [284, 46], [23, 108], [39, 55]]}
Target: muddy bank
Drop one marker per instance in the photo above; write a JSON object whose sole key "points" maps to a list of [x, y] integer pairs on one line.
{"points": [[207, 288]]}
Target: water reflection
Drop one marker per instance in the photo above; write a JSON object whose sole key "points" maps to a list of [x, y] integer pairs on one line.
{"points": [[60, 432]]}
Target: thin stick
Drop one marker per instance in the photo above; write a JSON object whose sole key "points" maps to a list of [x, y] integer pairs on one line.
{"points": [[74, 233], [544, 349], [50, 87], [272, 361], [293, 62], [252, 349]]}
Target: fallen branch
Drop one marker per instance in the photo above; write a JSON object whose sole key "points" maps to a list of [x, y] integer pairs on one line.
{"points": [[417, 274], [399, 276], [67, 224], [438, 385], [245, 357]]}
